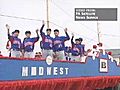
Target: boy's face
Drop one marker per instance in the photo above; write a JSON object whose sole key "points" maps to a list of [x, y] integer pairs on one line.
{"points": [[56, 33], [77, 42], [48, 32], [16, 34], [100, 45], [28, 35]]}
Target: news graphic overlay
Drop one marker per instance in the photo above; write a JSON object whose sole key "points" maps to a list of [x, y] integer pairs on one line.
{"points": [[95, 14]]}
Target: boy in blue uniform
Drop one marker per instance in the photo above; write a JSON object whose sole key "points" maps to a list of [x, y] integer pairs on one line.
{"points": [[47, 42], [82, 53], [16, 44], [8, 45], [68, 53], [77, 49], [28, 44], [58, 44]]}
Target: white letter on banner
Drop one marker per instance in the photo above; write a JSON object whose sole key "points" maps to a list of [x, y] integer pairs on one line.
{"points": [[41, 70], [48, 70], [61, 71], [55, 71], [33, 71], [66, 70], [24, 71]]}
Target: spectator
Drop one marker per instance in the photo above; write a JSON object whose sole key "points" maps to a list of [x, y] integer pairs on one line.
{"points": [[101, 48], [110, 56], [95, 51]]}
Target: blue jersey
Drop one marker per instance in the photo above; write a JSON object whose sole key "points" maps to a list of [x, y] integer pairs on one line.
{"points": [[47, 40], [58, 42], [77, 49], [82, 49], [28, 44], [67, 50], [15, 42]]}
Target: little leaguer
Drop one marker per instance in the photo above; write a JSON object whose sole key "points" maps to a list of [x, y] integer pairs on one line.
{"points": [[16, 45], [77, 49], [58, 44], [68, 53], [8, 45], [47, 42], [28, 44]]}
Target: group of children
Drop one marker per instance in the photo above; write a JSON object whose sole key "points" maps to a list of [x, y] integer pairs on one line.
{"points": [[54, 47]]}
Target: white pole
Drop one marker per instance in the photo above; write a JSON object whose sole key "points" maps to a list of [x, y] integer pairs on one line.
{"points": [[98, 31], [47, 12]]}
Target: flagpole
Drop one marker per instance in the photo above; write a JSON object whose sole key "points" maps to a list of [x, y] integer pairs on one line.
{"points": [[98, 31], [47, 12]]}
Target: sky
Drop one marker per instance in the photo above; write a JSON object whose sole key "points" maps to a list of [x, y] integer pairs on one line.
{"points": [[61, 15]]}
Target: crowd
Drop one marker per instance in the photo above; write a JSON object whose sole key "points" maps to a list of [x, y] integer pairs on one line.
{"points": [[54, 47]]}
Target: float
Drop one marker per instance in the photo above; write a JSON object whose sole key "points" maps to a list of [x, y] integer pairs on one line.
{"points": [[48, 74]]}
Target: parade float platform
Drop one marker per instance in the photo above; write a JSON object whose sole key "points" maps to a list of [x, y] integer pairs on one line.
{"points": [[38, 74]]}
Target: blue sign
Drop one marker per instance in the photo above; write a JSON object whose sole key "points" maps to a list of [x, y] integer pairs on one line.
{"points": [[28, 69]]}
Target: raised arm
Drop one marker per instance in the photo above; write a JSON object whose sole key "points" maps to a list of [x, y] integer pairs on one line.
{"points": [[37, 32], [8, 32], [41, 29], [35, 39], [8, 29], [72, 39], [67, 36]]}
